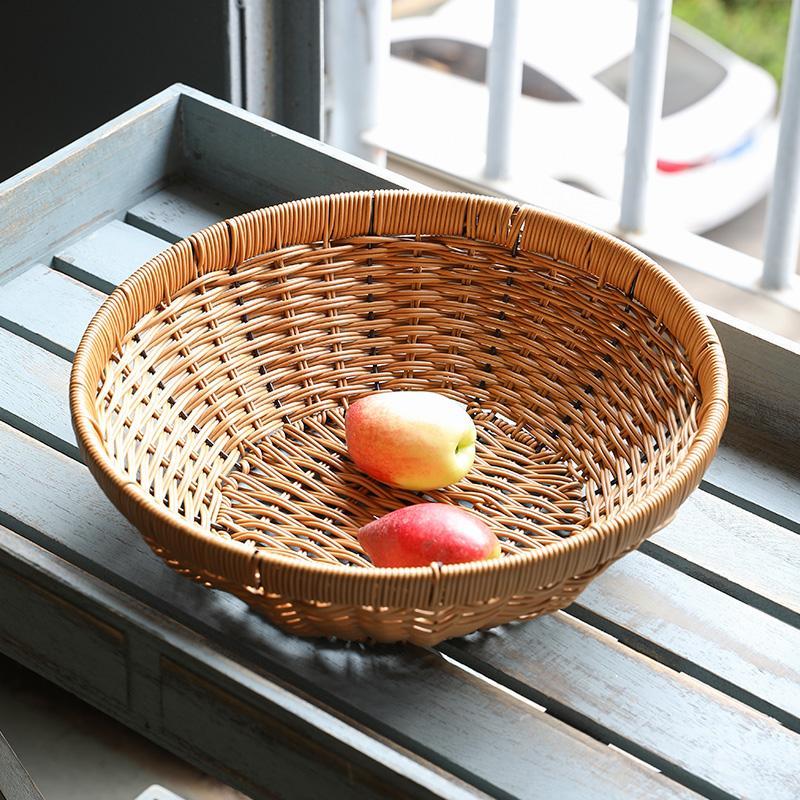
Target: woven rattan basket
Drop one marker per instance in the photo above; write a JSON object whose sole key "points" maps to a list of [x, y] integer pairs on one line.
{"points": [[208, 396]]}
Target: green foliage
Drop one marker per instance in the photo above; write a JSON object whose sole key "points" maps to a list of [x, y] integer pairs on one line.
{"points": [[755, 29]]}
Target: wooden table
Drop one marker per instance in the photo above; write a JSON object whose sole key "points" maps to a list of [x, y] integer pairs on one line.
{"points": [[675, 674]]}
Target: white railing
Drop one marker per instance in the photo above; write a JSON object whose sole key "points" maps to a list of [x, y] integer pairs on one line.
{"points": [[774, 275], [356, 52], [504, 76], [783, 215], [645, 96]]}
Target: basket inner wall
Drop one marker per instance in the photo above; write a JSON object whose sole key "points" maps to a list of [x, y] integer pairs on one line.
{"points": [[227, 403]]}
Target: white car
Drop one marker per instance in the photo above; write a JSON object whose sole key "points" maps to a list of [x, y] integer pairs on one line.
{"points": [[715, 143]]}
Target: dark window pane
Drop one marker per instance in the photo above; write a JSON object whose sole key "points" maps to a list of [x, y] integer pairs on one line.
{"points": [[615, 77], [691, 75], [448, 55], [469, 61], [534, 84]]}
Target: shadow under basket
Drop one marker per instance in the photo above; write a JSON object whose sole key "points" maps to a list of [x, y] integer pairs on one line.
{"points": [[208, 396]]}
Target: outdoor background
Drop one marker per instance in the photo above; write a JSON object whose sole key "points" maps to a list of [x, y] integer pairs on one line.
{"points": [[754, 29], [757, 31]]}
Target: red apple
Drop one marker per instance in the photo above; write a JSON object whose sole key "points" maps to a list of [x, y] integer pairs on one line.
{"points": [[412, 440], [416, 536]]}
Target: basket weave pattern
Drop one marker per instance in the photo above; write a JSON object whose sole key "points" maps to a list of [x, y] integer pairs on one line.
{"points": [[209, 393]]}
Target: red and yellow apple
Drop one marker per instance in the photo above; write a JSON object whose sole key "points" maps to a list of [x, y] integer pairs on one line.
{"points": [[411, 440], [418, 535]]}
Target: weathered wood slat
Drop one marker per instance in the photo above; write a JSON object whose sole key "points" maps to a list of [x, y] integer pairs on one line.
{"points": [[764, 378], [88, 653], [668, 719], [760, 473], [698, 630], [679, 620], [34, 385], [412, 696], [735, 550], [263, 163], [191, 703], [667, 616], [181, 209], [108, 255], [48, 309], [15, 783], [357, 764], [95, 177]]}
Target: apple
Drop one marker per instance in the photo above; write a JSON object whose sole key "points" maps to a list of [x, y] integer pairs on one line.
{"points": [[418, 535], [411, 440]]}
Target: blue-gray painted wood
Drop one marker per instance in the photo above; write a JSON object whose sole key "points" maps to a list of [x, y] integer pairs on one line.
{"points": [[34, 385], [250, 699], [95, 177], [284, 64], [678, 724], [764, 375], [260, 163], [414, 697], [698, 630], [15, 782], [742, 549], [760, 472], [681, 618], [181, 209], [48, 308], [109, 255], [249, 157], [86, 651], [190, 703], [732, 549]]}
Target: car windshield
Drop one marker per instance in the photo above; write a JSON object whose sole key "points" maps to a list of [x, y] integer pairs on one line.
{"points": [[468, 61], [691, 75]]}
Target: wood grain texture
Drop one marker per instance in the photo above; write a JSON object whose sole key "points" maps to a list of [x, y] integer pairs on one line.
{"points": [[107, 256], [48, 309], [414, 697], [264, 163], [759, 472], [15, 783], [764, 378], [686, 729], [191, 703], [370, 764], [719, 539], [664, 608], [93, 178], [34, 385], [671, 624], [181, 209], [699, 630], [82, 650]]}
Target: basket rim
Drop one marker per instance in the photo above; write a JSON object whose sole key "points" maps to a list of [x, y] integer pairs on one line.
{"points": [[257, 570]]}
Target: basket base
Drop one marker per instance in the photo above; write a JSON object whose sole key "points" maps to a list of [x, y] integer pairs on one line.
{"points": [[425, 627], [391, 624]]}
